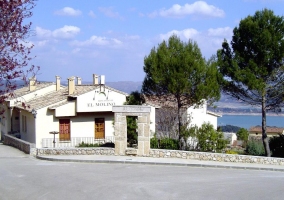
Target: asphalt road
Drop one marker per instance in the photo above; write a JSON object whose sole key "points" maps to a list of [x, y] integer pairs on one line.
{"points": [[24, 177]]}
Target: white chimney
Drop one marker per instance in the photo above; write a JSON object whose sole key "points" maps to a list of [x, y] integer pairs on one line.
{"points": [[57, 83], [95, 79], [79, 80], [71, 85], [32, 83], [102, 80]]}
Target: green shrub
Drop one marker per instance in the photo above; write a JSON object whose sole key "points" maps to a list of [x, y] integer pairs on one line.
{"points": [[154, 143], [108, 144], [276, 145], [255, 148], [164, 143], [209, 139], [169, 143], [231, 152]]}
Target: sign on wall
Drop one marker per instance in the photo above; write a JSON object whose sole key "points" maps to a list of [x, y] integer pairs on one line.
{"points": [[99, 101]]}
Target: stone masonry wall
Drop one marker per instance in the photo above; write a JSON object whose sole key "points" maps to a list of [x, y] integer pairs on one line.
{"points": [[18, 143], [75, 151], [161, 153]]}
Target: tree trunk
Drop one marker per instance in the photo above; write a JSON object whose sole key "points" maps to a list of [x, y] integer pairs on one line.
{"points": [[179, 127], [264, 135]]}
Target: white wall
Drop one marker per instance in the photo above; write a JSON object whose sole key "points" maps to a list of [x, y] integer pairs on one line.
{"points": [[152, 120], [96, 101], [29, 135], [199, 116], [68, 109], [84, 124]]}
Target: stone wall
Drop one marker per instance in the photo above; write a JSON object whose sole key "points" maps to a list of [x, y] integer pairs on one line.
{"points": [[161, 153], [18, 143], [74, 151]]}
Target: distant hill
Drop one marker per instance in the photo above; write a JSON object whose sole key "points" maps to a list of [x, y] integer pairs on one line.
{"points": [[126, 86]]}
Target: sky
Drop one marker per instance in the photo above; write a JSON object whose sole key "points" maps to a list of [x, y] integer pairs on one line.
{"points": [[112, 38]]}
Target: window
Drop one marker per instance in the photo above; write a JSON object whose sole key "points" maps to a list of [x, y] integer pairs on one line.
{"points": [[64, 130], [24, 124]]}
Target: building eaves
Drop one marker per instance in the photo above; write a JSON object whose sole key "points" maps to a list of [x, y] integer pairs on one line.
{"points": [[214, 114], [25, 90], [48, 99]]}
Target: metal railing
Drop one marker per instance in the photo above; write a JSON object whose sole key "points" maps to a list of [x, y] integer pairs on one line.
{"points": [[74, 141]]}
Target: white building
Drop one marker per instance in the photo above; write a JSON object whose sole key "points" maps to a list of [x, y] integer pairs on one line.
{"points": [[200, 115], [167, 121], [76, 112]]}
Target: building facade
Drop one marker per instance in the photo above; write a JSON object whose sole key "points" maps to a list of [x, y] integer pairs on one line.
{"points": [[71, 114]]}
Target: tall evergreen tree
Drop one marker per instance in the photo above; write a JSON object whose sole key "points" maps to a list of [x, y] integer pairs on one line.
{"points": [[177, 75], [253, 67]]}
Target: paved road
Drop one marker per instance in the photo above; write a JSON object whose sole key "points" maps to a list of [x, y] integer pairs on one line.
{"points": [[24, 177]]}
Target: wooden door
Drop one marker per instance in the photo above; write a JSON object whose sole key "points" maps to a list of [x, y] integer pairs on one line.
{"points": [[64, 129], [99, 128]]}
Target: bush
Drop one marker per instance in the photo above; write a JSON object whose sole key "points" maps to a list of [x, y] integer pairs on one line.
{"points": [[164, 143], [108, 144], [154, 143], [209, 139], [276, 145], [255, 148], [169, 143], [231, 152]]}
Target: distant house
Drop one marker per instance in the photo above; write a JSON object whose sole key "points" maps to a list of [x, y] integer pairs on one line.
{"points": [[166, 116], [256, 131], [76, 113]]}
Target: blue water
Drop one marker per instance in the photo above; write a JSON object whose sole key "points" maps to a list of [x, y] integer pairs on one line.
{"points": [[247, 121]]}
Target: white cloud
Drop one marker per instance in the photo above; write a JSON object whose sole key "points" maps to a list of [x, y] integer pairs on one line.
{"points": [[185, 34], [209, 41], [68, 11], [66, 32], [92, 14], [200, 8], [223, 32], [43, 33], [108, 11], [96, 40]]}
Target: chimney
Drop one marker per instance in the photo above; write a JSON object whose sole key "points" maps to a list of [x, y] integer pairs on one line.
{"points": [[32, 83], [79, 80], [102, 81], [71, 85], [95, 79], [57, 82]]}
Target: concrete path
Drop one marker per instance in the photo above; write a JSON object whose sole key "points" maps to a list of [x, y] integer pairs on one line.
{"points": [[159, 161]]}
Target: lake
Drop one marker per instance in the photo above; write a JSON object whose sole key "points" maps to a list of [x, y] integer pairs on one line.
{"points": [[247, 121]]}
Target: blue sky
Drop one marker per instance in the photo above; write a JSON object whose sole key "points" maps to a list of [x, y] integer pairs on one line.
{"points": [[111, 38]]}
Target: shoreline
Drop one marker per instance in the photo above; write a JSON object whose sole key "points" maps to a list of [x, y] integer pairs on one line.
{"points": [[251, 114]]}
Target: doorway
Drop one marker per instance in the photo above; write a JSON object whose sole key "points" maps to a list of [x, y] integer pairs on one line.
{"points": [[99, 128]]}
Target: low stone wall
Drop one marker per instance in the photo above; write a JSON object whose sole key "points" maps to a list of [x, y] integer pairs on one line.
{"points": [[18, 143], [161, 153], [75, 151]]}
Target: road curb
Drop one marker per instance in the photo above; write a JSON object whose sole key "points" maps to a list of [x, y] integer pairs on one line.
{"points": [[159, 163]]}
